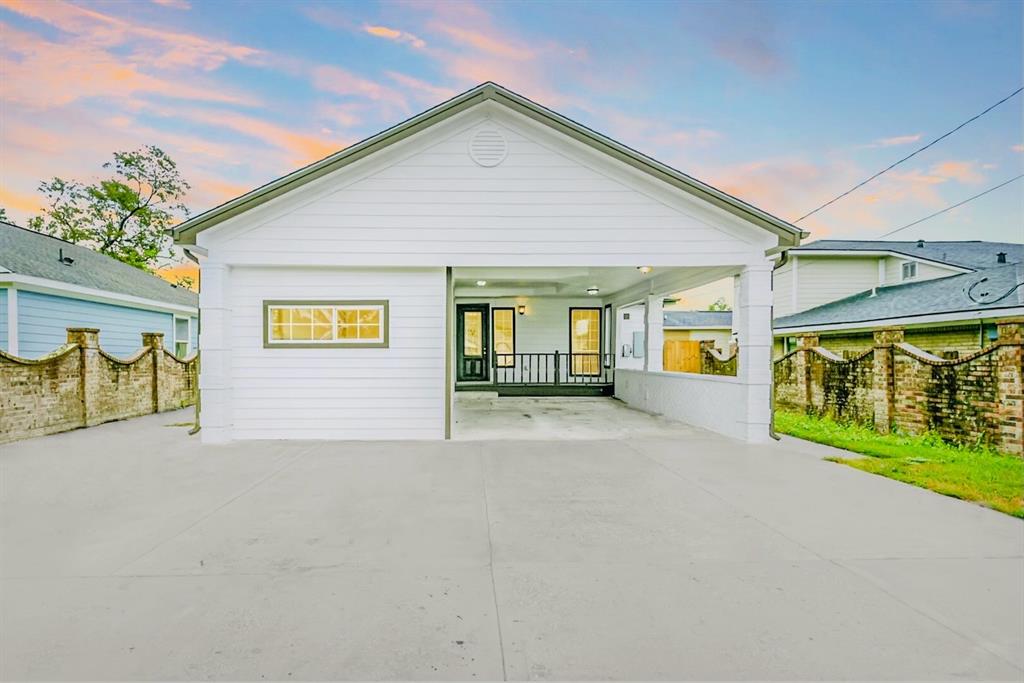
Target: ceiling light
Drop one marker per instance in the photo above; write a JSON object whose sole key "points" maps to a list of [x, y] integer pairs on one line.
{"points": [[592, 291], [481, 283], [644, 269]]}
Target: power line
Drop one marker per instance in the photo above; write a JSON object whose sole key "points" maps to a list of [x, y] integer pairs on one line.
{"points": [[909, 156], [950, 208]]}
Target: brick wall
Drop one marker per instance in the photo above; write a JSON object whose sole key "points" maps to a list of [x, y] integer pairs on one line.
{"points": [[80, 385], [716, 362], [974, 399], [941, 341]]}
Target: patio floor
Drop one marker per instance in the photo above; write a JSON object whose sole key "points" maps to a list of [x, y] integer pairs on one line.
{"points": [[130, 551]]}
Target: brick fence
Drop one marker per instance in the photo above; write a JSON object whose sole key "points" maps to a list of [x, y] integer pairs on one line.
{"points": [[715, 362], [80, 385], [976, 399]]}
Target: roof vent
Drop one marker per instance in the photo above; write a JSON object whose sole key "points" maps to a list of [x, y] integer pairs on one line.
{"points": [[488, 147], [66, 260], [920, 244], [1001, 257]]}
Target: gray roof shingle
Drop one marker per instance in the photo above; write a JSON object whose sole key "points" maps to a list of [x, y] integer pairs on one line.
{"points": [[965, 254], [698, 319], [928, 297], [27, 252]]}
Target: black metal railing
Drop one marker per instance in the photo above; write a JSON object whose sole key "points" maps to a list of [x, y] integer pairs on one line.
{"points": [[552, 369]]}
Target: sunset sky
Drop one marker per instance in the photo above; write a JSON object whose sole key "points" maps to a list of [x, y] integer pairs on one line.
{"points": [[782, 104]]}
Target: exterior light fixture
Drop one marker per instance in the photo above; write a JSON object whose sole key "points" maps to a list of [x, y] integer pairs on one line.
{"points": [[644, 269], [481, 283], [521, 309], [592, 291]]}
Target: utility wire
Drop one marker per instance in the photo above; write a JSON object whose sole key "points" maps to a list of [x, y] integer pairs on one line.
{"points": [[950, 208], [909, 156]]}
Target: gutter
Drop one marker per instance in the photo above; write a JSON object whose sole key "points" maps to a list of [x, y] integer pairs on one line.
{"points": [[783, 258]]}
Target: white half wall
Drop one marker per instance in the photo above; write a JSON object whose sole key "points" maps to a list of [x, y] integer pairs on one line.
{"points": [[712, 402]]}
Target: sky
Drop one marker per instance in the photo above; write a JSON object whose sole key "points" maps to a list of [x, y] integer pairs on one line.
{"points": [[784, 104]]}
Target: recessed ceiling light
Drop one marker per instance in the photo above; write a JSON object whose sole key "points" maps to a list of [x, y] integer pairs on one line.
{"points": [[592, 291], [644, 269], [481, 283]]}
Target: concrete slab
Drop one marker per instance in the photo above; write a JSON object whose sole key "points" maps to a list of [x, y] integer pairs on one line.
{"points": [[130, 551]]}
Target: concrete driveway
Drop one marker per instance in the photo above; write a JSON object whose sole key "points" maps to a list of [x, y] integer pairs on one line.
{"points": [[130, 552]]}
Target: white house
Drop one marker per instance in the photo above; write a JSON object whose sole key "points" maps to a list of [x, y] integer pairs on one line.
{"points": [[462, 249]]}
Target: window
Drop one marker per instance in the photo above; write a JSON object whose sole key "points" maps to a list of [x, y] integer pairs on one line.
{"points": [[909, 270], [504, 326], [182, 340], [585, 341], [311, 324]]}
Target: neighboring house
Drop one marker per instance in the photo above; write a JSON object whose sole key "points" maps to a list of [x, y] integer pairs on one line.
{"points": [[713, 326], [486, 243], [945, 316], [48, 285], [827, 270]]}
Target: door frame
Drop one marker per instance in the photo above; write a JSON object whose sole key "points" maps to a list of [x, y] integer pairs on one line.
{"points": [[600, 340], [485, 340]]}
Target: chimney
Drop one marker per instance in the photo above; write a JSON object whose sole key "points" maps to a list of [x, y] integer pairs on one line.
{"points": [[1001, 257], [920, 244]]}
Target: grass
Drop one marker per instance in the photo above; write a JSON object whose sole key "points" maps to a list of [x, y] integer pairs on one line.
{"points": [[980, 475]]}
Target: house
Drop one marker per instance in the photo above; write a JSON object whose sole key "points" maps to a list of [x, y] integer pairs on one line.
{"points": [[827, 270], [946, 316], [48, 285], [486, 243], [715, 326], [682, 332]]}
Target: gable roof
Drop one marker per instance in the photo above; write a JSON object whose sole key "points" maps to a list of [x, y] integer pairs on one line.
{"points": [[27, 252], [947, 295], [973, 255], [789, 234], [722, 319]]}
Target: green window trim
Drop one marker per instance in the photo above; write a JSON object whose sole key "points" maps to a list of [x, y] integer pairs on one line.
{"points": [[334, 342]]}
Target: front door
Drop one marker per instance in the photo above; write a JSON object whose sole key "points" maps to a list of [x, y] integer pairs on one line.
{"points": [[471, 335]]}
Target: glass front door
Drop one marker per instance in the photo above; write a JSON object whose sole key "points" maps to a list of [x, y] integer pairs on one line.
{"points": [[471, 342]]}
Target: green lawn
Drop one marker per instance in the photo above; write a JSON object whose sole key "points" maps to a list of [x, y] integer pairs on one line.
{"points": [[976, 474]]}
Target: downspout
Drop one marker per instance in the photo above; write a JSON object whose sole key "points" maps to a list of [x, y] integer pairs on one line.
{"points": [[783, 258], [199, 352]]}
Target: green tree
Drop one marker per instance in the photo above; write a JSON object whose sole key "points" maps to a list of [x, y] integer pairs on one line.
{"points": [[719, 305], [127, 216], [3, 215]]}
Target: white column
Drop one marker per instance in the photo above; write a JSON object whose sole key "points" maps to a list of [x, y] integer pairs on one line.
{"points": [[12, 320], [215, 353], [752, 319], [654, 332]]}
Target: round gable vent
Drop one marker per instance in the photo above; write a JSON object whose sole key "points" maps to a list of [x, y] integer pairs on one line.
{"points": [[488, 147]]}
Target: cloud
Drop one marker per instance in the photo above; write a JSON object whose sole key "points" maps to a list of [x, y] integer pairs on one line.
{"points": [[962, 171], [301, 147], [895, 141], [26, 204], [338, 81], [746, 36], [174, 4], [1017, 148], [396, 35], [421, 90]]}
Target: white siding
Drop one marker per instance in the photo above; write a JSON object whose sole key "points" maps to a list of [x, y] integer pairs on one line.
{"points": [[782, 290], [338, 393], [925, 271], [424, 201], [826, 279]]}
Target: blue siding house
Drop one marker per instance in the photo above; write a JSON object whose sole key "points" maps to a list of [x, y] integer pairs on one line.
{"points": [[48, 285]]}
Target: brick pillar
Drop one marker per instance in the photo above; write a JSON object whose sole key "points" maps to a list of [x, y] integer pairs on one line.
{"points": [[155, 342], [705, 359], [88, 340], [1010, 358], [883, 389], [802, 368]]}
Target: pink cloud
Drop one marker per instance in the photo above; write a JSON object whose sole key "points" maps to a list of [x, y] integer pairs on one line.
{"points": [[896, 141], [962, 171], [1017, 148], [333, 79], [174, 4], [396, 35]]}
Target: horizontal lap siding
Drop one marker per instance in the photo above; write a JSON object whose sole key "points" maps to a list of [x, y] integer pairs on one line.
{"points": [[438, 206], [822, 280], [339, 393], [3, 319], [43, 320], [545, 326]]}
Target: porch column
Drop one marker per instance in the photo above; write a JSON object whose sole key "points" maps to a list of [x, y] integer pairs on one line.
{"points": [[654, 333], [752, 318], [215, 336]]}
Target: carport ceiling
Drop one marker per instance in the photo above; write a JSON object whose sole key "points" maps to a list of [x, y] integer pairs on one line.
{"points": [[539, 282]]}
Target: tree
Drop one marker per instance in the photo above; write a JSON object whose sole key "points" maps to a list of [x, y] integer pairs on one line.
{"points": [[719, 305], [3, 214], [127, 216]]}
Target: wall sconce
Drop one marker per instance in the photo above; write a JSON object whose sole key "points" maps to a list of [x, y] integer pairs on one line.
{"points": [[521, 309]]}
